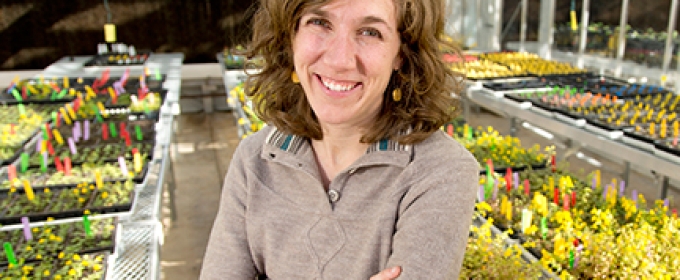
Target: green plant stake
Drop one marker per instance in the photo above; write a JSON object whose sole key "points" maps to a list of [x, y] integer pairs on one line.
{"points": [[138, 131], [544, 227], [24, 162], [158, 74], [146, 109], [54, 117], [86, 225], [62, 94], [17, 95], [22, 110], [571, 258], [112, 129], [10, 253]]}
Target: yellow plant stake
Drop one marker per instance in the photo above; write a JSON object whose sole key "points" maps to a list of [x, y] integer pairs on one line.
{"points": [[102, 110], [676, 129], [28, 190], [66, 85], [137, 161], [57, 136], [64, 115], [597, 178], [71, 113], [98, 180], [652, 128], [662, 132]]}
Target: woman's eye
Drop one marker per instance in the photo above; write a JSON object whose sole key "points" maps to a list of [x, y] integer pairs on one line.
{"points": [[371, 32], [318, 21]]}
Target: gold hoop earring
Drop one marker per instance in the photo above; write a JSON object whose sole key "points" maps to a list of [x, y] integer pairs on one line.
{"points": [[294, 77], [396, 94]]}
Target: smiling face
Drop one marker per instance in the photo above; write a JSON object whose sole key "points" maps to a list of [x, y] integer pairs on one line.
{"points": [[344, 54]]}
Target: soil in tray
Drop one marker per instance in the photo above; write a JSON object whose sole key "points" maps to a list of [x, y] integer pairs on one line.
{"points": [[643, 132], [96, 153], [118, 59], [69, 202], [48, 241], [83, 173], [517, 85], [91, 266]]}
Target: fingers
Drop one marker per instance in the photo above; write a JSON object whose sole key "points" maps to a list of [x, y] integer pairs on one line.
{"points": [[389, 273]]}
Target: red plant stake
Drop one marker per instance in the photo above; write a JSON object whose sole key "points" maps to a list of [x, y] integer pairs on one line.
{"points": [[67, 166], [57, 163], [508, 179], [553, 164], [527, 189], [50, 148], [556, 196], [105, 131], [573, 198]]}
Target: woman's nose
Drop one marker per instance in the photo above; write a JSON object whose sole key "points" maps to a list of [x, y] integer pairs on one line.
{"points": [[341, 52]]}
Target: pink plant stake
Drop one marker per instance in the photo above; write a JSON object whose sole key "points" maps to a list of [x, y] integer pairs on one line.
{"points": [[72, 146], [86, 130], [481, 193], [622, 187], [27, 228], [123, 166]]}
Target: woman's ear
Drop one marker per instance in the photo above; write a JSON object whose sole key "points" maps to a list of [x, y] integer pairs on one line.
{"points": [[396, 65]]}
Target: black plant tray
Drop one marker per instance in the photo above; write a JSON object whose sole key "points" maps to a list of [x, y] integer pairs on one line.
{"points": [[666, 146], [116, 59], [517, 85], [606, 126], [58, 264], [125, 102], [75, 232], [147, 149], [635, 135], [71, 213], [139, 178], [502, 170]]}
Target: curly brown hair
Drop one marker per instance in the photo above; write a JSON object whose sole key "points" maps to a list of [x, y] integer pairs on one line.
{"points": [[426, 83]]}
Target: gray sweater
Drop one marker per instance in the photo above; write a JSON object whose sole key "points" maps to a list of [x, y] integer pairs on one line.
{"points": [[406, 205]]}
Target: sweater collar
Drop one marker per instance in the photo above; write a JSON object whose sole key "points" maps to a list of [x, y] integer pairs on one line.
{"points": [[385, 151]]}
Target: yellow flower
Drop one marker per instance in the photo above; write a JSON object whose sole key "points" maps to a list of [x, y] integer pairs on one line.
{"points": [[61, 255], [46, 273], [57, 277], [49, 219], [87, 212], [12, 189], [46, 190], [72, 272], [29, 248], [105, 195], [76, 257], [38, 256], [35, 229], [68, 262], [97, 267], [86, 263]]}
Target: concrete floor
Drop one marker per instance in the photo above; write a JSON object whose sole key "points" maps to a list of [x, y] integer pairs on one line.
{"points": [[201, 153]]}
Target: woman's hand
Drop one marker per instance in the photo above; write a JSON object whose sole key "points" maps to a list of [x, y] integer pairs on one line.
{"points": [[388, 274]]}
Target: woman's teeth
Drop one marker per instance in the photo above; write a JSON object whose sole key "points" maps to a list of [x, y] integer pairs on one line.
{"points": [[334, 86]]}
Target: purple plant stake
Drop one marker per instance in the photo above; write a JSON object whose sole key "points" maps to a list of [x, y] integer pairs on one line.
{"points": [[622, 188], [594, 183], [27, 228], [635, 196], [86, 130], [481, 193], [605, 191], [665, 203], [74, 132], [72, 146], [38, 145], [118, 88], [515, 179]]}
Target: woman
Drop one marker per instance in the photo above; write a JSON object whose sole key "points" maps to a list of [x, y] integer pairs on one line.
{"points": [[352, 178]]}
